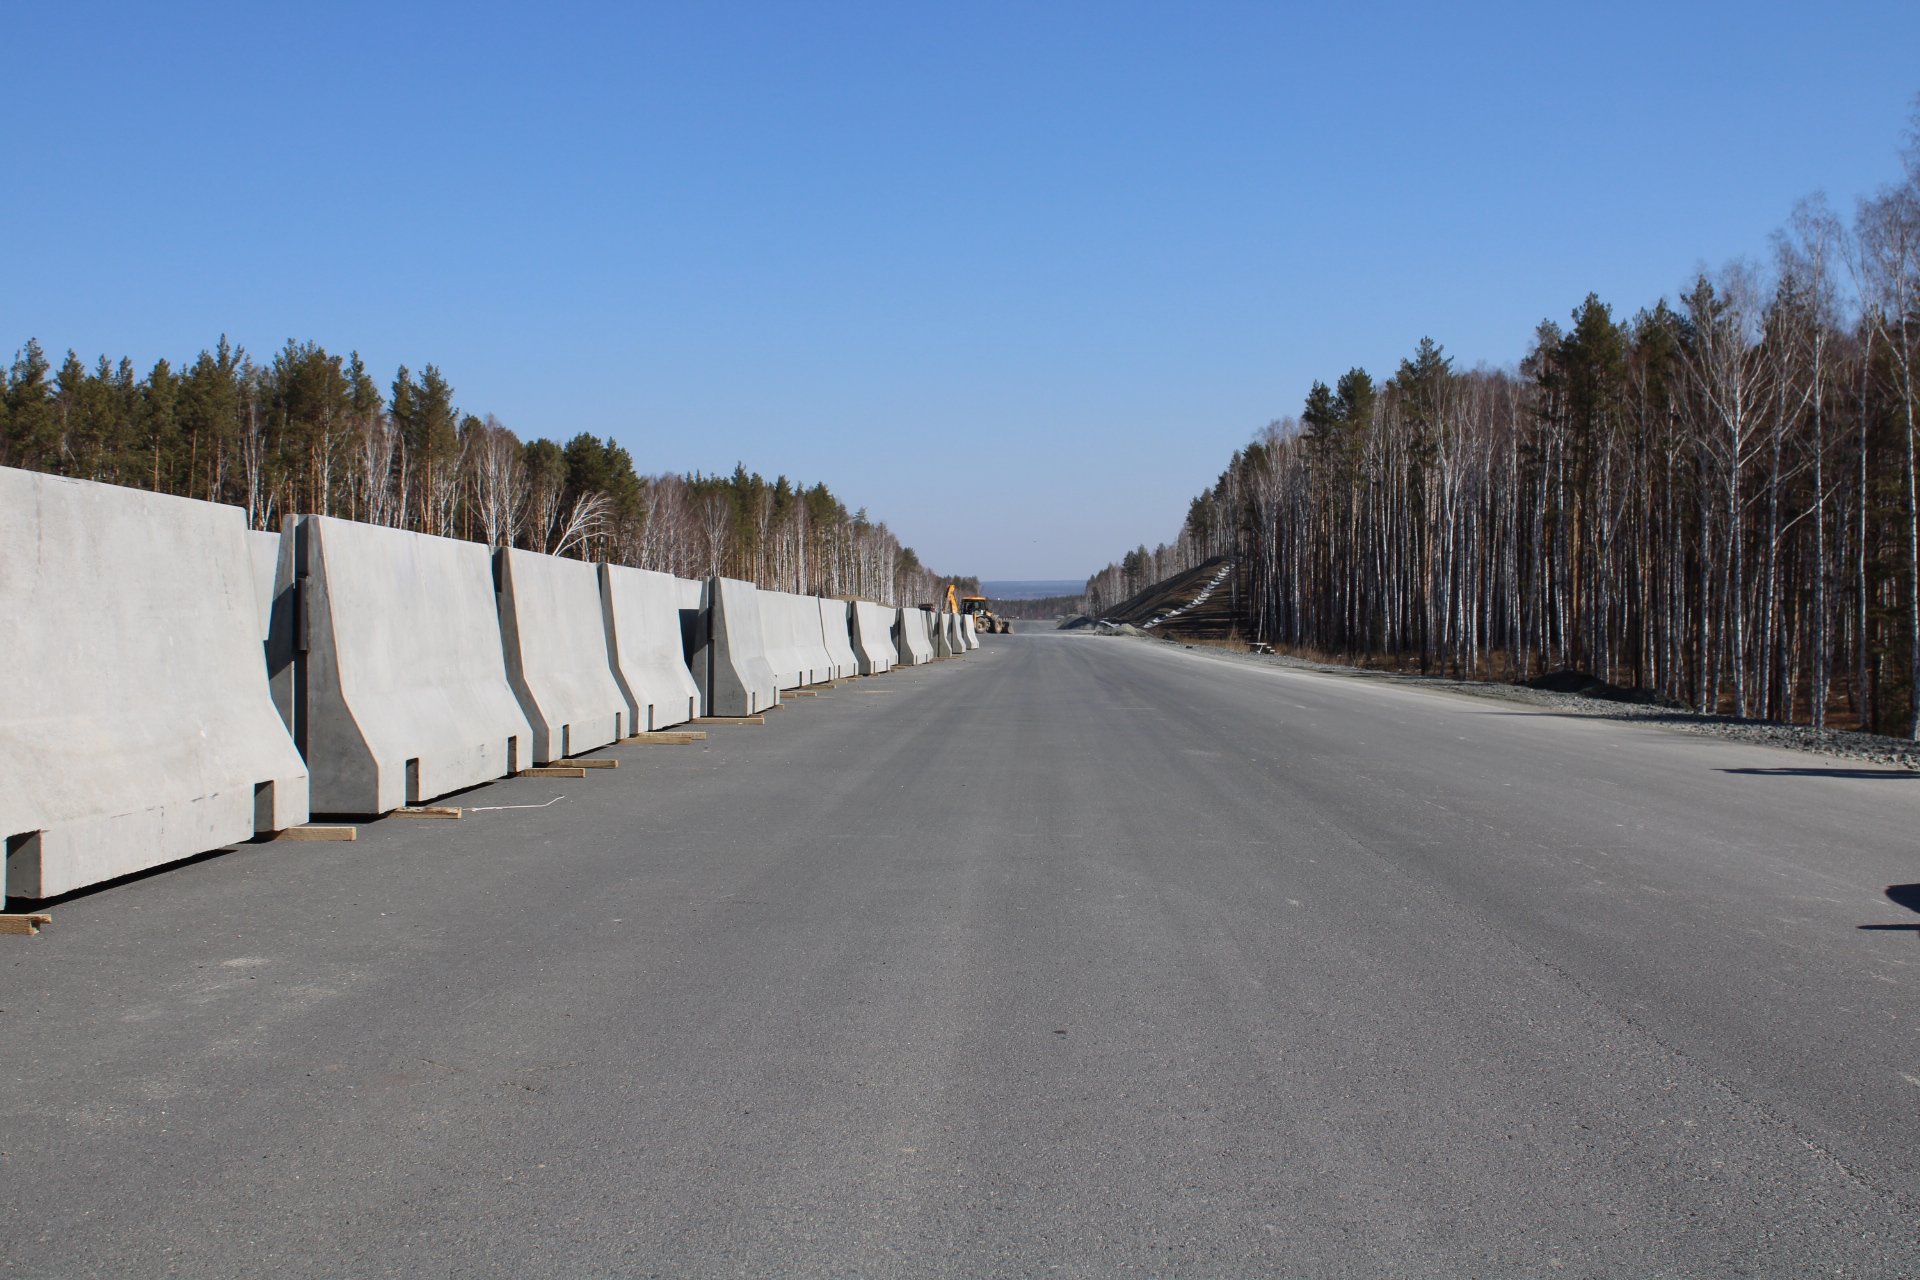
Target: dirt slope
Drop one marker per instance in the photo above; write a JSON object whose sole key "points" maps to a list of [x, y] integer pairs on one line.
{"points": [[1211, 619]]}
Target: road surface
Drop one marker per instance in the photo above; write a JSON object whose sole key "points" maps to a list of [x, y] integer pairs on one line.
{"points": [[1076, 957]]}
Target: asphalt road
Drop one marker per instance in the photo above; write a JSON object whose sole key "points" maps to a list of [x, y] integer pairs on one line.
{"points": [[1076, 957]]}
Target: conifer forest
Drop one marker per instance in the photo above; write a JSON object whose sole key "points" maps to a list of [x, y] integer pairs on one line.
{"points": [[1713, 498], [309, 432]]}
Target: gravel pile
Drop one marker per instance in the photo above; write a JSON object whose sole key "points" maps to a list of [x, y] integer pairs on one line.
{"points": [[1825, 742]]}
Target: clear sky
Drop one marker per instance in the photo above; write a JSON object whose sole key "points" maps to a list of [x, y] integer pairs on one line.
{"points": [[1015, 277]]}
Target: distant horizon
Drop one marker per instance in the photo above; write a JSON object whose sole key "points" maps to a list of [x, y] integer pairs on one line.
{"points": [[1032, 589]]}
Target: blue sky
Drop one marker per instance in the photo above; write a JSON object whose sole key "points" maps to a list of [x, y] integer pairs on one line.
{"points": [[1017, 278]]}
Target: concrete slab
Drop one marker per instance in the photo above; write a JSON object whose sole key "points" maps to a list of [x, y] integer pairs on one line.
{"points": [[730, 665], [642, 614], [873, 649], [136, 727], [400, 692], [554, 632]]}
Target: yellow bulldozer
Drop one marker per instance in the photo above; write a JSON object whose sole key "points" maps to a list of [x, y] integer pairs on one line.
{"points": [[985, 620]]}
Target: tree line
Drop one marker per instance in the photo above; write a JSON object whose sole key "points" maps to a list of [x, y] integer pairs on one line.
{"points": [[1714, 498], [311, 432]]}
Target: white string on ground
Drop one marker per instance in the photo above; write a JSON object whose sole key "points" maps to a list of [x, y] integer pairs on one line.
{"points": [[482, 808]]}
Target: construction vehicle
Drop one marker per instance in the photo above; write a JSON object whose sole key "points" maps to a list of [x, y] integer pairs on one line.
{"points": [[984, 619]]}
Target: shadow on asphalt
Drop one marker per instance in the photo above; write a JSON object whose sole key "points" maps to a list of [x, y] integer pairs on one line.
{"points": [[1900, 895], [14, 902], [1828, 773]]}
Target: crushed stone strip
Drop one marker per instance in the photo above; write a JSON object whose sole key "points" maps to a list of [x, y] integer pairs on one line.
{"points": [[1839, 743]]}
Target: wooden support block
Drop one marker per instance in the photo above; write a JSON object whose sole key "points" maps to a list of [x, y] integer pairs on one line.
{"points": [[553, 771], [662, 738], [730, 720], [426, 811], [319, 833], [594, 764], [798, 693], [23, 924]]}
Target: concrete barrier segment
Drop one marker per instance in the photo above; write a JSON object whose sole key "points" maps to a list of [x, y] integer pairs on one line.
{"points": [[873, 637], [911, 636], [136, 727], [782, 642], [800, 632], [731, 666], [903, 652], [817, 660], [641, 609], [836, 630], [554, 631], [693, 627], [942, 634], [282, 654], [263, 550], [968, 632], [400, 689], [814, 609]]}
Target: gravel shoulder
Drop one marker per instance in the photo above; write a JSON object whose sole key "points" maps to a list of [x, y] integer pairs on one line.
{"points": [[1868, 747]]}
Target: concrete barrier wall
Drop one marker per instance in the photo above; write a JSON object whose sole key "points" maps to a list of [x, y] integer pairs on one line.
{"points": [[902, 651], [135, 723], [783, 653], [402, 694], [801, 651], [818, 660], [731, 666], [911, 637], [642, 614], [282, 619], [554, 632], [836, 624], [872, 638], [782, 639], [941, 635], [693, 631], [873, 649], [276, 615], [263, 551], [968, 632], [927, 624]]}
